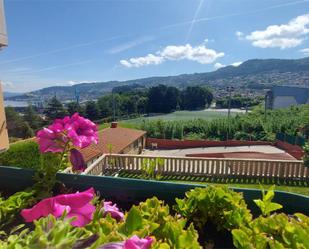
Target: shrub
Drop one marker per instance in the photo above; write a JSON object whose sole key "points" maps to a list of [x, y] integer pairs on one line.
{"points": [[306, 156], [276, 231], [220, 206], [26, 155]]}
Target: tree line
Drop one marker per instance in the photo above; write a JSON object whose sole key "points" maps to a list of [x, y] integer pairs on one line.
{"points": [[119, 104], [238, 101]]}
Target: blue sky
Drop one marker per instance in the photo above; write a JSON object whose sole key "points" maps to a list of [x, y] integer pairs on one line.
{"points": [[64, 42]]}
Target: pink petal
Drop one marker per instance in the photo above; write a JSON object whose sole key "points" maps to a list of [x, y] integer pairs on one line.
{"points": [[43, 209], [136, 243], [83, 215], [76, 200], [113, 210]]}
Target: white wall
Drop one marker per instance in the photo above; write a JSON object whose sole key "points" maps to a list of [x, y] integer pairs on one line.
{"points": [[283, 102]]}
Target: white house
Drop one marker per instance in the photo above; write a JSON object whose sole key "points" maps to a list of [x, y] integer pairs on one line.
{"points": [[286, 96]]}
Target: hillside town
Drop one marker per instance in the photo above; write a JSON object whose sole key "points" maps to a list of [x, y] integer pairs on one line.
{"points": [[214, 159]]}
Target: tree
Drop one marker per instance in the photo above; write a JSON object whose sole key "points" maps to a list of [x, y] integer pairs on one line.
{"points": [[129, 104], [92, 111], [32, 118], [162, 99], [195, 97], [108, 104], [74, 107], [172, 99], [142, 104], [54, 109], [16, 126]]}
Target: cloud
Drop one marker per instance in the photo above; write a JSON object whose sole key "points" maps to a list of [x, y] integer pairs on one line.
{"points": [[200, 54], [305, 51], [59, 50], [218, 65], [247, 13], [282, 36], [8, 85], [131, 44], [240, 35], [194, 18], [236, 64], [74, 82], [149, 59]]}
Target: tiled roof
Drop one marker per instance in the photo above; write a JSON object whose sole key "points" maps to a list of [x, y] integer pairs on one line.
{"points": [[118, 137], [91, 152]]}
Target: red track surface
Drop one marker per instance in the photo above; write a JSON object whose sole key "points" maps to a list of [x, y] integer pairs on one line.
{"points": [[246, 155]]}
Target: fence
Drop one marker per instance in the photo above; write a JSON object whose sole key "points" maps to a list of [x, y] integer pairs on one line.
{"points": [[181, 144], [211, 167], [295, 140]]}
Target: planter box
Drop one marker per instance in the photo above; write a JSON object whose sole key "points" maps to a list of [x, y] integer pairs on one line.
{"points": [[126, 192]]}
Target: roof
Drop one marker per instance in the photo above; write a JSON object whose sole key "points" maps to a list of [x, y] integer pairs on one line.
{"points": [[90, 152], [119, 138], [301, 94]]}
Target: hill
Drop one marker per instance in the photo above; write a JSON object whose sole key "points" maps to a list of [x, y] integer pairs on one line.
{"points": [[11, 94], [254, 74]]}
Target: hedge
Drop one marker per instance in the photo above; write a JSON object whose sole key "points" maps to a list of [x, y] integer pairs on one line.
{"points": [[26, 155]]}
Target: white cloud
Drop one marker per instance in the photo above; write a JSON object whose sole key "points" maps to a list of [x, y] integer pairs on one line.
{"points": [[74, 82], [282, 36], [131, 44], [218, 65], [236, 64], [149, 59], [240, 35], [8, 85], [305, 51], [200, 54]]}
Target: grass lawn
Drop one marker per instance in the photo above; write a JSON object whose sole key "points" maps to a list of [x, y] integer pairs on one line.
{"points": [[183, 115], [178, 115]]}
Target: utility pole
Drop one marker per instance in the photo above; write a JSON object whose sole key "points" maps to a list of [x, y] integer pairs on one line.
{"points": [[114, 107], [265, 107], [229, 89]]}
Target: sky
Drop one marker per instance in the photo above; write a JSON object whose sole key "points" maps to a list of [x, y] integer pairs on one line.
{"points": [[65, 42]]}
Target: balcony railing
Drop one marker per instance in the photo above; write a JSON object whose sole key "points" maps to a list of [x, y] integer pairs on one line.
{"points": [[207, 167]]}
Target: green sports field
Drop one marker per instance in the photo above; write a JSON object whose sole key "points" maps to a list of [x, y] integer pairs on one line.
{"points": [[183, 115]]}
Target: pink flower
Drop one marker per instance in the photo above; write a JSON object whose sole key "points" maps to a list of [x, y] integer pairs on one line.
{"points": [[113, 210], [53, 138], [133, 243], [82, 131], [76, 205], [136, 243], [77, 160], [50, 141]]}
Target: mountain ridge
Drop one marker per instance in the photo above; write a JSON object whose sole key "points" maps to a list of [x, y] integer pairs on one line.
{"points": [[254, 73]]}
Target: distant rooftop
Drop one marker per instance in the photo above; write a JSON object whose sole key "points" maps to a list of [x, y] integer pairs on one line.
{"points": [[119, 138]]}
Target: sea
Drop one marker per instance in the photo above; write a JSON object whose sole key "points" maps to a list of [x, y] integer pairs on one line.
{"points": [[15, 103]]}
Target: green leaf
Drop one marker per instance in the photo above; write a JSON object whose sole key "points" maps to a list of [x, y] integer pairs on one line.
{"points": [[272, 207], [134, 221]]}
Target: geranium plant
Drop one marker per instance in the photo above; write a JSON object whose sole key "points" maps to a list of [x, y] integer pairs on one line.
{"points": [[67, 135]]}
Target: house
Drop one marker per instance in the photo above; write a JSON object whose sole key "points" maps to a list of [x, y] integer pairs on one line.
{"points": [[115, 140], [285, 96]]}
